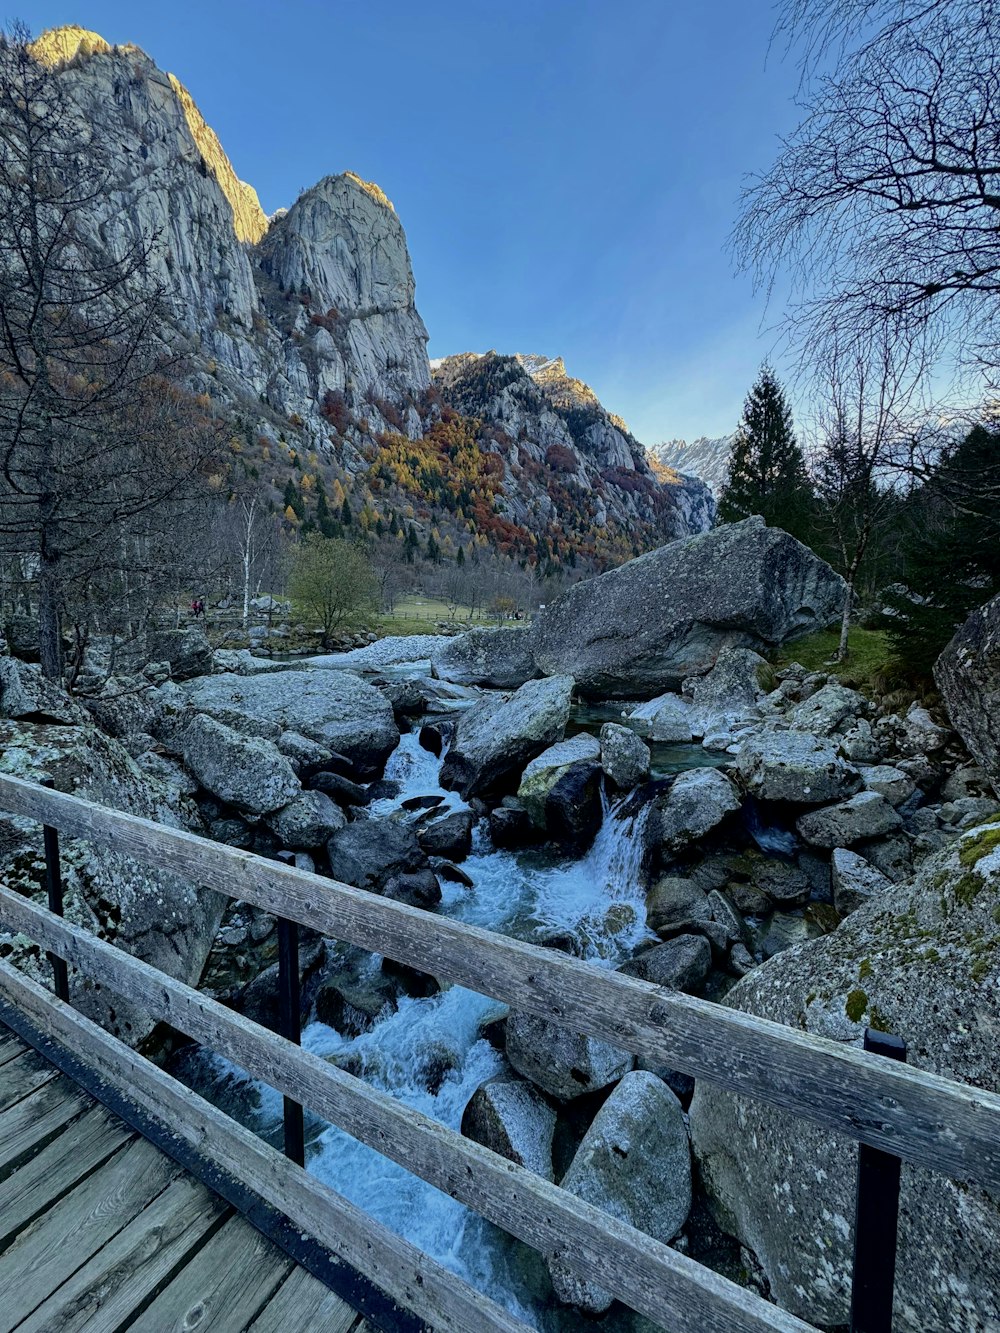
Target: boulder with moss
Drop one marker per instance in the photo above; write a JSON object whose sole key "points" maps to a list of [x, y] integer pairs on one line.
{"points": [[921, 959]]}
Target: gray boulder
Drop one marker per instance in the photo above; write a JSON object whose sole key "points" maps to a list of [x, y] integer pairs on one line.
{"points": [[496, 738], [308, 821], [624, 757], [27, 696], [867, 815], [697, 802], [644, 627], [667, 718], [450, 836], [855, 880], [336, 709], [921, 959], [369, 852], [187, 650], [729, 694], [968, 675], [674, 904], [831, 709], [792, 766], [512, 1118], [244, 771], [562, 1063], [574, 809], [498, 659], [542, 774], [680, 964], [892, 783], [635, 1164]]}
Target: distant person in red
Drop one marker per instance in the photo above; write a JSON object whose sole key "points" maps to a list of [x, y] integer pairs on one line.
{"points": [[198, 607]]}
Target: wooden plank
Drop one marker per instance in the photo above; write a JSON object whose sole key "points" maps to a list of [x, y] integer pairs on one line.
{"points": [[58, 1243], [407, 1275], [222, 1287], [26, 1072], [644, 1273], [302, 1302], [120, 1277], [927, 1120], [26, 1126], [33, 1187], [10, 1045]]}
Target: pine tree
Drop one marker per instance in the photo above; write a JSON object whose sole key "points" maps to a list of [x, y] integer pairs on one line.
{"points": [[293, 500], [346, 517], [460, 558], [767, 473]]}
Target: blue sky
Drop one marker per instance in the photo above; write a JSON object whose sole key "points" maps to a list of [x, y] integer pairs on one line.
{"points": [[567, 171]]}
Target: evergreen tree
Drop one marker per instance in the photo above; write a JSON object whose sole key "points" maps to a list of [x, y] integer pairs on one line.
{"points": [[767, 472], [433, 550], [460, 558], [293, 500], [346, 517]]}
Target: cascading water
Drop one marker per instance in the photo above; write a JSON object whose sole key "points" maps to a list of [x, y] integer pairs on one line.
{"points": [[429, 1053]]}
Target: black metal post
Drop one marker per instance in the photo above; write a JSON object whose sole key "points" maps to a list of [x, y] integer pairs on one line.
{"points": [[875, 1219], [54, 886], [290, 1026]]}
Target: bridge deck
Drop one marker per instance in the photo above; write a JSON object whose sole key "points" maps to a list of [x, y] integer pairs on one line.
{"points": [[101, 1231]]}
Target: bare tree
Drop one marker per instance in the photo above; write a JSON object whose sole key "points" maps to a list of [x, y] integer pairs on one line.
{"points": [[864, 430], [884, 205], [93, 436]]}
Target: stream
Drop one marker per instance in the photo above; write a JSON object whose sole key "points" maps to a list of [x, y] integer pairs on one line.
{"points": [[430, 1053]]}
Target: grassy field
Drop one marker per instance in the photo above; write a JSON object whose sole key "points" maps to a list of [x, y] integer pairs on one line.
{"points": [[419, 615], [868, 656]]}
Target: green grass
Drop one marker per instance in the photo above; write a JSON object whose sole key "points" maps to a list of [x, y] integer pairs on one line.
{"points": [[868, 656], [419, 615]]}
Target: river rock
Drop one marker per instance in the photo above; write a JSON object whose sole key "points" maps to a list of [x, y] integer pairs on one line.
{"points": [[369, 851], [674, 904], [562, 1063], [498, 659], [27, 696], [334, 708], [574, 809], [667, 718], [680, 964], [832, 708], [510, 1117], [697, 802], [450, 836], [968, 675], [338, 788], [496, 738], [729, 694], [187, 650], [867, 815], [308, 821], [647, 625], [419, 888], [624, 757], [511, 826], [244, 771], [792, 766], [542, 774], [304, 755], [921, 959], [892, 783], [161, 917], [855, 880], [921, 734], [635, 1164]]}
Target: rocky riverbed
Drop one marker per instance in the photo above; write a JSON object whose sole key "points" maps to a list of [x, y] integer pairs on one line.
{"points": [[775, 841]]}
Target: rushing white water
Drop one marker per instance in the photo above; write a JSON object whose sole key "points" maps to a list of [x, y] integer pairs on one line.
{"points": [[429, 1053]]}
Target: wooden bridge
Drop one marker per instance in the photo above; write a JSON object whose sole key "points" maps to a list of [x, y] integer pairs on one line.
{"points": [[92, 1200]]}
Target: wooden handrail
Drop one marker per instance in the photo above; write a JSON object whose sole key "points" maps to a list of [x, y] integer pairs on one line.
{"points": [[648, 1275], [925, 1119]]}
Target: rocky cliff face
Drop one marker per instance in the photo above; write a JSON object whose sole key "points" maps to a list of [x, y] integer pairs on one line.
{"points": [[559, 428], [705, 458], [304, 326]]}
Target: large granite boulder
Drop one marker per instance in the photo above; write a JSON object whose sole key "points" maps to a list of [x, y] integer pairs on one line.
{"points": [[512, 1118], [794, 766], [728, 695], [667, 718], [968, 676], [334, 708], [369, 852], [187, 651], [635, 1164], [833, 708], [27, 696], [697, 802], [159, 916], [246, 772], [624, 757], [542, 774], [920, 959], [866, 815], [666, 615], [308, 821], [499, 659], [497, 737]]}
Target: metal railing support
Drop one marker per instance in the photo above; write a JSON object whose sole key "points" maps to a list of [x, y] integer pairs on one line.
{"points": [[54, 888], [876, 1218], [290, 1027]]}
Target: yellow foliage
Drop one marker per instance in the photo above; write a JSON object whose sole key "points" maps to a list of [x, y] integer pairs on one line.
{"points": [[291, 515]]}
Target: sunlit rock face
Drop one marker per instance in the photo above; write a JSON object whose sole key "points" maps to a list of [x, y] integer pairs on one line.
{"points": [[233, 282]]}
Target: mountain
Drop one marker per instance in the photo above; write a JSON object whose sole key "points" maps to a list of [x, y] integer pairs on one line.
{"points": [[303, 329], [705, 458]]}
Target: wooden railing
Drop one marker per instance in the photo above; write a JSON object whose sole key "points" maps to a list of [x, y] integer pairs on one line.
{"points": [[902, 1112]]}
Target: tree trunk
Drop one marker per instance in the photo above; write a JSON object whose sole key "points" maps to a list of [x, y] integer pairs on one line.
{"points": [[843, 652], [49, 629]]}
